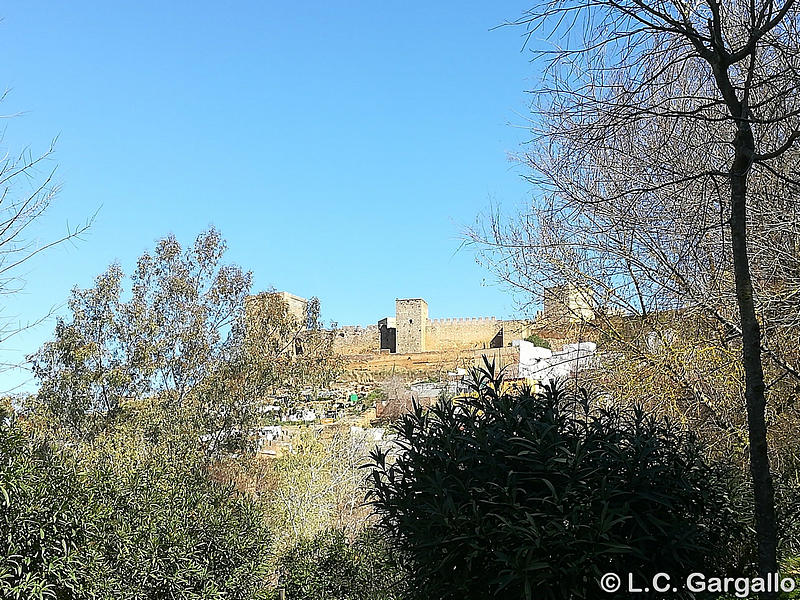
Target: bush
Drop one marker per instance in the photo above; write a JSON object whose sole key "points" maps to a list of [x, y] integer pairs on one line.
{"points": [[45, 521], [538, 340], [332, 567], [538, 495], [124, 521], [171, 532]]}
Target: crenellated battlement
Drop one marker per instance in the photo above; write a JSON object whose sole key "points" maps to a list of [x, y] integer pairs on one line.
{"points": [[457, 320], [410, 331]]}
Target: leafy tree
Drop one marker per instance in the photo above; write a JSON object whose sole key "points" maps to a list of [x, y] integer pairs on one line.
{"points": [[317, 486], [170, 336], [182, 306], [187, 334], [85, 371], [286, 352], [169, 530], [124, 518], [538, 495]]}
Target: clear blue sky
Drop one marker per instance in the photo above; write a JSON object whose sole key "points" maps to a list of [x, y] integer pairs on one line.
{"points": [[340, 147]]}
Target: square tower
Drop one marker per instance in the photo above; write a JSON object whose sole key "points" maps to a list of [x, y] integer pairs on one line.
{"points": [[567, 303], [296, 306], [411, 315]]}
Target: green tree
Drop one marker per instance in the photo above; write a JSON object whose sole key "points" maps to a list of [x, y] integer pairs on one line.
{"points": [[123, 518], [165, 340], [286, 352], [187, 334], [319, 485], [331, 565]]}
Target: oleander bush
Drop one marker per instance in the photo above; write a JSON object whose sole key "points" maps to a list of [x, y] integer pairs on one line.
{"points": [[46, 520], [123, 519], [536, 495]]}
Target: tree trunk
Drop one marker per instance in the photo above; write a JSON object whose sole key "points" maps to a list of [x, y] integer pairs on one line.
{"points": [[754, 392]]}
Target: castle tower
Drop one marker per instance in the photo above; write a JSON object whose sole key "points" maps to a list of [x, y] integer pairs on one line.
{"points": [[297, 306], [411, 316], [567, 303]]}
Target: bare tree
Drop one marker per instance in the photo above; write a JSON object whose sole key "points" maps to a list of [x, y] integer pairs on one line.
{"points": [[27, 189], [664, 153]]}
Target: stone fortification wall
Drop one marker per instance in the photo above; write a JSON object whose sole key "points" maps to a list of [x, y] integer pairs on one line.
{"points": [[479, 332], [410, 331], [440, 334], [355, 339]]}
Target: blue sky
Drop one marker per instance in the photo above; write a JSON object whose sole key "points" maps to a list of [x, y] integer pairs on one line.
{"points": [[341, 148]]}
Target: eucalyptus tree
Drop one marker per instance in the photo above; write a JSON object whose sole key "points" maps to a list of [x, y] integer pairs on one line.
{"points": [[664, 156], [164, 338], [287, 352], [187, 333]]}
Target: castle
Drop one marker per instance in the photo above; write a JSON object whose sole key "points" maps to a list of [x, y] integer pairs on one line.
{"points": [[410, 331]]}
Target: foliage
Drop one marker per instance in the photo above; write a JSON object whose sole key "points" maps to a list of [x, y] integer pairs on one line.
{"points": [[169, 531], [539, 495], [188, 334], [45, 521], [331, 566], [317, 485], [123, 518], [374, 397], [687, 367], [288, 354], [165, 340], [538, 340]]}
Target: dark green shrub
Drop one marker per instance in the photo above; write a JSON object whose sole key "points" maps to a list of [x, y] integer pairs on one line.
{"points": [[46, 520], [171, 532], [537, 496], [332, 567], [146, 523]]}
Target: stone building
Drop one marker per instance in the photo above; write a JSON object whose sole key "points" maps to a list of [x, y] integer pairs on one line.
{"points": [[297, 305], [410, 331], [567, 304], [411, 317]]}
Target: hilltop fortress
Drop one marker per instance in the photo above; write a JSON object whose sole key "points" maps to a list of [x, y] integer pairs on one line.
{"points": [[410, 331]]}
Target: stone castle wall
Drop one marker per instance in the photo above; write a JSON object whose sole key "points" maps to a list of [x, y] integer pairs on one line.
{"points": [[411, 331], [355, 339], [464, 333], [440, 334]]}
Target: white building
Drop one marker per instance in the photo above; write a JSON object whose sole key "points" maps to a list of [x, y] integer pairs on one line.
{"points": [[545, 366]]}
